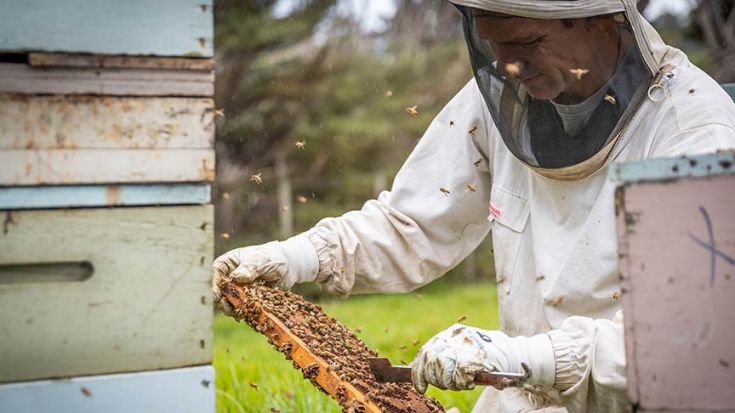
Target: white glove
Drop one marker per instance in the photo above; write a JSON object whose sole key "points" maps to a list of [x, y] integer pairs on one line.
{"points": [[279, 264], [452, 358]]}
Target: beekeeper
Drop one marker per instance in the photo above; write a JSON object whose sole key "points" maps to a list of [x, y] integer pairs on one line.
{"points": [[561, 90]]}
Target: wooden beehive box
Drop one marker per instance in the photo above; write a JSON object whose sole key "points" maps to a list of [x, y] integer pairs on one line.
{"points": [[677, 247], [106, 147]]}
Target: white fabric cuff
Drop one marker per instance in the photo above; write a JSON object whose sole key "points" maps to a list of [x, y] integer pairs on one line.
{"points": [[569, 367], [301, 258], [540, 358]]}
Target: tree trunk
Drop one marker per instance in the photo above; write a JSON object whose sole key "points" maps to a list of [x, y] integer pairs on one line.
{"points": [[470, 267], [285, 195]]}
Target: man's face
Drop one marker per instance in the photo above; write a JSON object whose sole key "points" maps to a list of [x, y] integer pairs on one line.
{"points": [[545, 54]]}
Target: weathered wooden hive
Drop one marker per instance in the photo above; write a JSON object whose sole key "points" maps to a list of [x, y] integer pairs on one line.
{"points": [[106, 161]]}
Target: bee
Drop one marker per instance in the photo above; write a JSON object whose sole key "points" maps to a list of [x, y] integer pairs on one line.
{"points": [[202, 42], [254, 385], [225, 196], [500, 280], [85, 391], [257, 178], [540, 277], [300, 144], [358, 329], [461, 318], [579, 72], [444, 190], [616, 295], [301, 199], [411, 110], [284, 208], [477, 162], [402, 347], [386, 329], [388, 93], [512, 69], [471, 188], [275, 410], [472, 130], [225, 236], [451, 123], [610, 98], [556, 302], [415, 342], [219, 112]]}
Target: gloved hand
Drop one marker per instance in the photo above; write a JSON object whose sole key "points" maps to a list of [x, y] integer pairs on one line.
{"points": [[279, 264], [451, 359]]}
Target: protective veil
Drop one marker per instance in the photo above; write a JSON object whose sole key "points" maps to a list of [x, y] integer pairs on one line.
{"points": [[515, 49]]}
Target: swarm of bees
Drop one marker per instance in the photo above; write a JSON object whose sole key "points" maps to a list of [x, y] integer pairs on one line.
{"points": [[335, 349]]}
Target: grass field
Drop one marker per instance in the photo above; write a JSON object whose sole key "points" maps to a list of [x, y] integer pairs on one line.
{"points": [[253, 377]]}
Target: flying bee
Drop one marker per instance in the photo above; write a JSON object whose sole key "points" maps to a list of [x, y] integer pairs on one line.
{"points": [[579, 72], [411, 110], [257, 178], [512, 69]]}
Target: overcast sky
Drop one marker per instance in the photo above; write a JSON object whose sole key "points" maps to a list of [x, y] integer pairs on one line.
{"points": [[371, 13]]}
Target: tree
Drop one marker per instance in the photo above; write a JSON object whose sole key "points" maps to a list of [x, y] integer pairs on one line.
{"points": [[716, 23]]}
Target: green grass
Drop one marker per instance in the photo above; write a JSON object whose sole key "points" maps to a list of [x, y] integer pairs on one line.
{"points": [[243, 357]]}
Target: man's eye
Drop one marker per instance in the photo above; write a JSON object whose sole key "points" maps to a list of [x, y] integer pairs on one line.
{"points": [[530, 42]]}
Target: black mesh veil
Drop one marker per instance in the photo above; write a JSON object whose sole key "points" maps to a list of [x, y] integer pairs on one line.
{"points": [[557, 95]]}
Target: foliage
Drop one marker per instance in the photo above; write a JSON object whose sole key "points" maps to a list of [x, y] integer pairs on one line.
{"points": [[344, 96], [386, 322]]}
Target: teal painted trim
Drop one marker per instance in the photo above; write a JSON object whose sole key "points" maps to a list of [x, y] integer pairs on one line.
{"points": [[74, 196], [730, 89], [722, 163], [189, 389], [129, 27]]}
